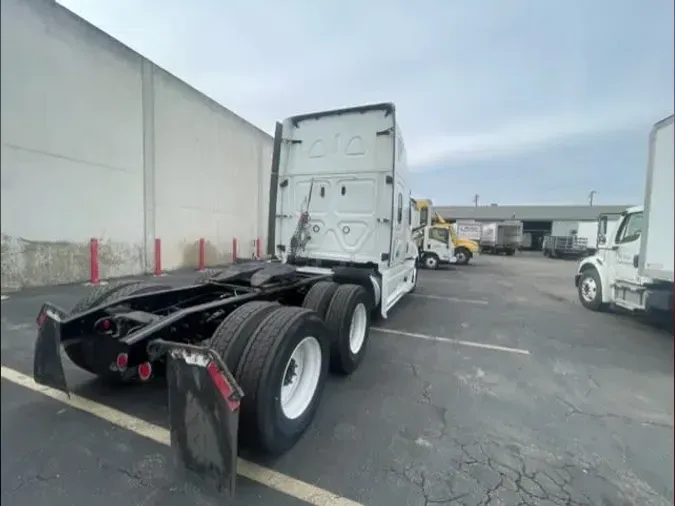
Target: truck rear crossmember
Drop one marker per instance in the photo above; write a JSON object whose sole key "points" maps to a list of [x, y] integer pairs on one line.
{"points": [[254, 340]]}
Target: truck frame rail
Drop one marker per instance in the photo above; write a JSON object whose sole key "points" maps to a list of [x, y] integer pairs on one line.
{"points": [[203, 337]]}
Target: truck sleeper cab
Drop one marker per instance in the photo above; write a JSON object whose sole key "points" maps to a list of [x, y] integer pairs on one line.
{"points": [[255, 341]]}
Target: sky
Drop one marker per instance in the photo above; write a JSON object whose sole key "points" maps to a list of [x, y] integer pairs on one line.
{"points": [[517, 101]]}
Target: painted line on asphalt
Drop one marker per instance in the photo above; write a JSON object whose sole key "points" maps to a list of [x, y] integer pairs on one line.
{"points": [[449, 340], [450, 299], [270, 478]]}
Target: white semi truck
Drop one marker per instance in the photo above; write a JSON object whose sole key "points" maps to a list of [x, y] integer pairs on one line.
{"points": [[256, 340], [633, 265]]}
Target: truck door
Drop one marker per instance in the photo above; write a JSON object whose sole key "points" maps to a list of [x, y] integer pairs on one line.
{"points": [[626, 248], [439, 243]]}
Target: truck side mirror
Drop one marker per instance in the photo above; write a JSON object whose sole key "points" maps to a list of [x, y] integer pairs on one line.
{"points": [[602, 239]]}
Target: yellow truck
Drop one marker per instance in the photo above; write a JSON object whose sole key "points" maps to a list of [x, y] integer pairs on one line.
{"points": [[464, 249]]}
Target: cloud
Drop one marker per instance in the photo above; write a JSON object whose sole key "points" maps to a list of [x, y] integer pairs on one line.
{"points": [[526, 135], [487, 83]]}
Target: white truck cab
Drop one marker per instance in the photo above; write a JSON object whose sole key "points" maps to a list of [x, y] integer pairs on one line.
{"points": [[633, 265], [434, 240], [343, 201], [435, 246]]}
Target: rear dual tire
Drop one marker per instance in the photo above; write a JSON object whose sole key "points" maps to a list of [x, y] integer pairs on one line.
{"points": [[348, 318], [280, 357], [347, 311]]}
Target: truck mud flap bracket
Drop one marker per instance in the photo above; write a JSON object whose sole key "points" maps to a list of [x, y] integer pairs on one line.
{"points": [[204, 401]]}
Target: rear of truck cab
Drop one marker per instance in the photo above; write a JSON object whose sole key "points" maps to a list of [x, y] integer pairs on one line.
{"points": [[338, 166]]}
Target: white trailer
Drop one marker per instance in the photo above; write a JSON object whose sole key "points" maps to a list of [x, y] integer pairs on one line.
{"points": [[633, 267], [468, 230], [563, 228], [501, 237], [588, 231]]}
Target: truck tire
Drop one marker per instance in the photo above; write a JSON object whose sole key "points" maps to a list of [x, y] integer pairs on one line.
{"points": [[206, 275], [590, 290], [463, 255], [231, 336], [430, 261], [509, 252], [283, 372], [348, 319], [319, 296], [82, 354]]}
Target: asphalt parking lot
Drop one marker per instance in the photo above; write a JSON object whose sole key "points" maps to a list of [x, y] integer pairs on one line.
{"points": [[491, 385]]}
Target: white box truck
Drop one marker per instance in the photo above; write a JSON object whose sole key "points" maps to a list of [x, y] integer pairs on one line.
{"points": [[468, 230], [633, 265], [501, 237], [587, 231]]}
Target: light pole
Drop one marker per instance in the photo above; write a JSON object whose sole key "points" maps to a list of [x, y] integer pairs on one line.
{"points": [[591, 195], [475, 200]]}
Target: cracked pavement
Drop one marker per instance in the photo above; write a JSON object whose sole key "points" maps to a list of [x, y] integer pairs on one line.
{"points": [[585, 419]]}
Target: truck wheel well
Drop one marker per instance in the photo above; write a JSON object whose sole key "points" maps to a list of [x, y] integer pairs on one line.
{"points": [[588, 267], [359, 276]]}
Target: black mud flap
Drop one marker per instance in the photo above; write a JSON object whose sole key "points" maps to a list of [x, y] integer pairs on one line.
{"points": [[47, 364], [204, 403]]}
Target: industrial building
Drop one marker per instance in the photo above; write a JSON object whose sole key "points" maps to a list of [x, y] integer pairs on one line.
{"points": [[99, 142], [538, 221]]}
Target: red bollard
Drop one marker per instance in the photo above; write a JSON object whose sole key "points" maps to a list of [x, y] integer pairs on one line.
{"points": [[257, 248], [202, 254], [158, 256], [234, 250], [93, 262]]}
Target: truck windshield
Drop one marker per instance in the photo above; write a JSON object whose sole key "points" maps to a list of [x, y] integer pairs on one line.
{"points": [[631, 229]]}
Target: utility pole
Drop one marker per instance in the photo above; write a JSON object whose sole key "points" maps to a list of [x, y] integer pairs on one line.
{"points": [[475, 200], [591, 195]]}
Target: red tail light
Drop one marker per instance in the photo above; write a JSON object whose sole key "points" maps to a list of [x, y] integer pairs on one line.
{"points": [[122, 361], [144, 371]]}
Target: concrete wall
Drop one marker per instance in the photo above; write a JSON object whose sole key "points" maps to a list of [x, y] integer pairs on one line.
{"points": [[99, 142]]}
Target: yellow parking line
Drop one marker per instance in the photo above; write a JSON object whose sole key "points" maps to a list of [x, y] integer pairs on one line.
{"points": [[268, 477]]}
